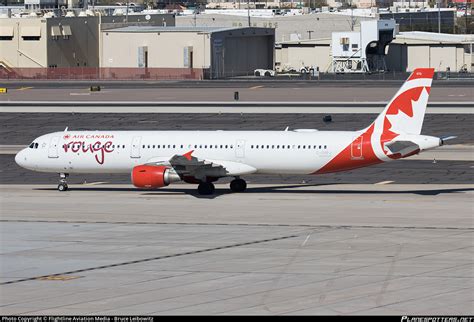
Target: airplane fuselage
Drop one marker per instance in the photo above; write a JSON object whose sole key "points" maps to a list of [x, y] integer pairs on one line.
{"points": [[277, 152]]}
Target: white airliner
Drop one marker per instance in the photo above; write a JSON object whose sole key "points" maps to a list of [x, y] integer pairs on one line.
{"points": [[157, 158]]}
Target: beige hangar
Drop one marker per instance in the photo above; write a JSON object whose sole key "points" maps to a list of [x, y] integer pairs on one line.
{"points": [[220, 52]]}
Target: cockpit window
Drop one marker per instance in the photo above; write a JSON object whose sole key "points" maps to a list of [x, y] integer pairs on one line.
{"points": [[31, 146], [36, 145]]}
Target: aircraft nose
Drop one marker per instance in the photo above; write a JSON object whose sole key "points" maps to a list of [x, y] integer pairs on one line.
{"points": [[20, 158]]}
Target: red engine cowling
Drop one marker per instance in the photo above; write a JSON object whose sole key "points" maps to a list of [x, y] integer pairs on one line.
{"points": [[149, 176]]}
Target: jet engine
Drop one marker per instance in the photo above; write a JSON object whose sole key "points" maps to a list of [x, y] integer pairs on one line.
{"points": [[149, 176]]}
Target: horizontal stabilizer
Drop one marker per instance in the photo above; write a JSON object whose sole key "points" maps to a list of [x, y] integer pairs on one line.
{"points": [[403, 149]]}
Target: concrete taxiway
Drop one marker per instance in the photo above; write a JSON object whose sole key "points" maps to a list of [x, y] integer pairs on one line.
{"points": [[22, 128], [217, 91], [329, 249]]}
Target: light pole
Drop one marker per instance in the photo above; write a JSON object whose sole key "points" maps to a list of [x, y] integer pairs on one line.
{"points": [[439, 16], [126, 14], [248, 11]]}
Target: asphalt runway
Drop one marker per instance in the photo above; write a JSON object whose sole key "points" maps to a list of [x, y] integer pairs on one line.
{"points": [[247, 92], [278, 249], [402, 171], [22, 128]]}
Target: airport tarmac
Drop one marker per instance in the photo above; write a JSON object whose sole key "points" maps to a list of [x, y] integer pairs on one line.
{"points": [[255, 93], [22, 128], [276, 249], [396, 238]]}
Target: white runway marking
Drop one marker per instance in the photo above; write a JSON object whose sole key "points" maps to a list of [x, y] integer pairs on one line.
{"points": [[306, 240], [384, 182], [94, 183]]}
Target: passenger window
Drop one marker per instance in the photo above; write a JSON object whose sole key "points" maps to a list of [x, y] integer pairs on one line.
{"points": [[231, 146], [251, 146], [123, 146], [325, 146], [181, 146], [278, 146], [319, 147], [226, 146], [143, 146], [299, 146], [195, 146]]}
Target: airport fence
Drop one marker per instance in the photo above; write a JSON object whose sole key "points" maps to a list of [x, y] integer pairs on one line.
{"points": [[93, 73], [110, 74]]}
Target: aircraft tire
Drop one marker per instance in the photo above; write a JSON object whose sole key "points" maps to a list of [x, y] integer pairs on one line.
{"points": [[238, 185], [206, 188]]}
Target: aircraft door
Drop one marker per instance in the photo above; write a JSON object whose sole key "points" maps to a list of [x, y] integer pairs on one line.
{"points": [[135, 149], [240, 149], [53, 147], [356, 148]]}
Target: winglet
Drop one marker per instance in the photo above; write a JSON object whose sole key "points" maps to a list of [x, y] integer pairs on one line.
{"points": [[188, 155]]}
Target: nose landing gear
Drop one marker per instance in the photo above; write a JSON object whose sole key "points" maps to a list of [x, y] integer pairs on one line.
{"points": [[62, 186]]}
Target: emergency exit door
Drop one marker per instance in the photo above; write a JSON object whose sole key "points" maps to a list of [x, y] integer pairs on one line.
{"points": [[240, 148], [135, 149]]}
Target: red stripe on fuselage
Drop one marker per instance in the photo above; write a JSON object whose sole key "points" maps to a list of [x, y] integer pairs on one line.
{"points": [[345, 160]]}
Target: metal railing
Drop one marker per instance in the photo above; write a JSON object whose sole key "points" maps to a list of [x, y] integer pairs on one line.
{"points": [[94, 73]]}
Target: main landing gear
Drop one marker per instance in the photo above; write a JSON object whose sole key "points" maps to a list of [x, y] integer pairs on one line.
{"points": [[62, 186], [238, 185], [206, 188]]}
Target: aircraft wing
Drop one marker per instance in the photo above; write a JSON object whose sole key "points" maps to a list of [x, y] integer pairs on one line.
{"points": [[188, 165]]}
